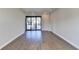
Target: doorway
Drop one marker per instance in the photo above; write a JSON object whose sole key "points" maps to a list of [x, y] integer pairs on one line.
{"points": [[33, 23]]}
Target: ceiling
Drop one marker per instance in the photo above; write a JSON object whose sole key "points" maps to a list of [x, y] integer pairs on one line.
{"points": [[37, 10]]}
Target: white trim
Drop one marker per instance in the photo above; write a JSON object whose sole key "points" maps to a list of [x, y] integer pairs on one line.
{"points": [[76, 46], [10, 41]]}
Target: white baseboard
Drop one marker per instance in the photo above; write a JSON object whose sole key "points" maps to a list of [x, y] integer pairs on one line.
{"points": [[10, 41], [67, 40]]}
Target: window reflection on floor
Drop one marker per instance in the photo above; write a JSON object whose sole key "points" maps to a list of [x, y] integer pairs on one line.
{"points": [[34, 35]]}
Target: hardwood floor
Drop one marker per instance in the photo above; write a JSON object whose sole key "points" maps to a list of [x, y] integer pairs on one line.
{"points": [[37, 40]]}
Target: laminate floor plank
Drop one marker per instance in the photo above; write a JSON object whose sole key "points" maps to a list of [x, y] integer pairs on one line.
{"points": [[37, 40]]}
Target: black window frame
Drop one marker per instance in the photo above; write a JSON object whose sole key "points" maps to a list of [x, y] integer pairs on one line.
{"points": [[32, 17]]}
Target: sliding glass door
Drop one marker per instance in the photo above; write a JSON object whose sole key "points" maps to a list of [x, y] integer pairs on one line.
{"points": [[33, 23]]}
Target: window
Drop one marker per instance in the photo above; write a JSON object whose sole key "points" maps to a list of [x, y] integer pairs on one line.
{"points": [[33, 23]]}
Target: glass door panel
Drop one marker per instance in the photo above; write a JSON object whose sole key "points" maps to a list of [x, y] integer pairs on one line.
{"points": [[38, 23], [33, 23], [28, 24]]}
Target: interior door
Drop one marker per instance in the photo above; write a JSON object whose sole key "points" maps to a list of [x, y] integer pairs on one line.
{"points": [[33, 23]]}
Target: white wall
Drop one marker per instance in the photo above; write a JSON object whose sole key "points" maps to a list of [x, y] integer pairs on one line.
{"points": [[46, 21], [11, 24], [65, 23]]}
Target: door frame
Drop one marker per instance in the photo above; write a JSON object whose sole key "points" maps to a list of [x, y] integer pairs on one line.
{"points": [[26, 23]]}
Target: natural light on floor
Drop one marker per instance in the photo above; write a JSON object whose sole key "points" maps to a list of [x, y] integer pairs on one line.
{"points": [[34, 35]]}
